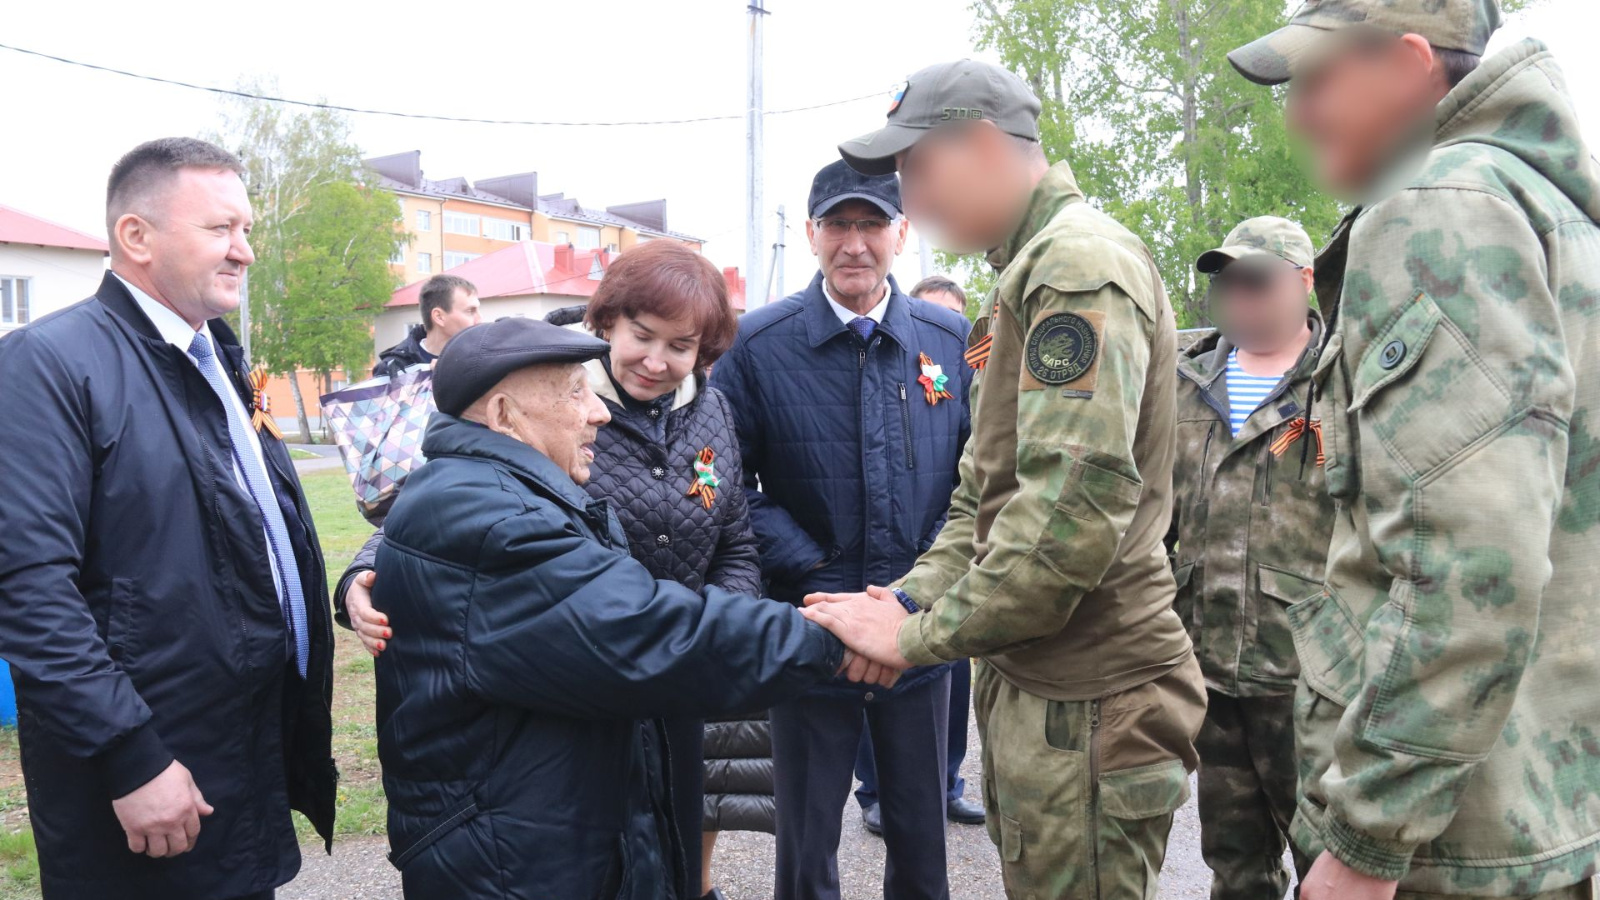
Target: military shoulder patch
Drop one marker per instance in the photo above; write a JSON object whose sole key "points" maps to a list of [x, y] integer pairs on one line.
{"points": [[1061, 348]]}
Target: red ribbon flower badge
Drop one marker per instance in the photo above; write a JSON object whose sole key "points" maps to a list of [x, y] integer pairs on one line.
{"points": [[705, 482], [933, 380]]}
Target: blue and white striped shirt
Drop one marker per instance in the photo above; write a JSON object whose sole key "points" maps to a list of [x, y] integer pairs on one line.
{"points": [[1245, 391]]}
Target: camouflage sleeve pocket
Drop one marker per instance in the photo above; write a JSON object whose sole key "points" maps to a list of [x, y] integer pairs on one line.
{"points": [[1452, 399], [1105, 488]]}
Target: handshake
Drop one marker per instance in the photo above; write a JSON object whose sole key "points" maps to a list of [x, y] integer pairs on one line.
{"points": [[869, 626]]}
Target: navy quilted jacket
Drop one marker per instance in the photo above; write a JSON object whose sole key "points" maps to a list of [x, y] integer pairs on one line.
{"points": [[529, 651], [842, 440]]}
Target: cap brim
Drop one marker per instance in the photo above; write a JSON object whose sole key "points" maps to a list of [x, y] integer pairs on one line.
{"points": [[828, 203], [874, 154], [1213, 261], [1273, 59]]}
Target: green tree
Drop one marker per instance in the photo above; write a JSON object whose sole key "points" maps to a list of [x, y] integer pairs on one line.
{"points": [[1162, 133], [336, 277], [322, 240]]}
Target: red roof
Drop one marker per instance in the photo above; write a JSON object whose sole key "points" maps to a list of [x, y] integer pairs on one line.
{"points": [[535, 267], [529, 267], [17, 227]]}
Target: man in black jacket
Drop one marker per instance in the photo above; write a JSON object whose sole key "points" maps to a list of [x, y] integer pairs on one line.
{"points": [[162, 599], [449, 306], [531, 651]]}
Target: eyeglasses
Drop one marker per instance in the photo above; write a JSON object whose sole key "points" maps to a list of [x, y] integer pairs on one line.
{"points": [[840, 228]]}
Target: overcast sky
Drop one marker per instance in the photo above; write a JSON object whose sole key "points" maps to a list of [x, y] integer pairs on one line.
{"points": [[621, 60]]}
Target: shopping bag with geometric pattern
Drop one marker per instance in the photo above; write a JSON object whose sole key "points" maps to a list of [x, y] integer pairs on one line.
{"points": [[378, 426]]}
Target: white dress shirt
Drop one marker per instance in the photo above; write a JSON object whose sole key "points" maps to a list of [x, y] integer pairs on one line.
{"points": [[180, 334], [847, 315]]}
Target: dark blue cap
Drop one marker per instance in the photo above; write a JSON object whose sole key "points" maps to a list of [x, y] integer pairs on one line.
{"points": [[477, 359], [837, 182]]}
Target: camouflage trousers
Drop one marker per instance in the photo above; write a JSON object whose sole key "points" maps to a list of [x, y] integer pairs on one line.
{"points": [[1080, 794], [1247, 784]]}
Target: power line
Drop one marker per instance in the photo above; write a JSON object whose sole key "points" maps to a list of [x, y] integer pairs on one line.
{"points": [[436, 118]]}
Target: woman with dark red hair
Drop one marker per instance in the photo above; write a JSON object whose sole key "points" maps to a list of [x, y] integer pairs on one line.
{"points": [[669, 464]]}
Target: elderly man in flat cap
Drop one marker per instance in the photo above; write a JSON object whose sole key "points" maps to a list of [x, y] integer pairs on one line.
{"points": [[531, 653]]}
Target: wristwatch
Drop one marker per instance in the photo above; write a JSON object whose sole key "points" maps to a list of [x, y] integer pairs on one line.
{"points": [[906, 601]]}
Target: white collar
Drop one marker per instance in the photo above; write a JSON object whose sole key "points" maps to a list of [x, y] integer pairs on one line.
{"points": [[600, 382], [171, 326], [847, 315]]}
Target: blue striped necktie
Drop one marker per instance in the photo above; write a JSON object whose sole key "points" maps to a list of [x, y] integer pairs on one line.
{"points": [[255, 478]]}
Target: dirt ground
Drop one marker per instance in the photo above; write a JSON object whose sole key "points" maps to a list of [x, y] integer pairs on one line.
{"points": [[744, 865]]}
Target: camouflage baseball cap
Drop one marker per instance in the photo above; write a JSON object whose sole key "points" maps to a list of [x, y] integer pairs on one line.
{"points": [[961, 91], [1265, 236], [1463, 25]]}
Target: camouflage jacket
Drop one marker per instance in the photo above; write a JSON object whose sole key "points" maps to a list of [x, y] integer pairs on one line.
{"points": [[1051, 565], [1250, 521], [1450, 722]]}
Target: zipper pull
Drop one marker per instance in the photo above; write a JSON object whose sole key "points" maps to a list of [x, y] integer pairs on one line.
{"points": [[863, 359], [902, 392], [1094, 714]]}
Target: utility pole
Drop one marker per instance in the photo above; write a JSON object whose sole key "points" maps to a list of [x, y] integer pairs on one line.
{"points": [[755, 205]]}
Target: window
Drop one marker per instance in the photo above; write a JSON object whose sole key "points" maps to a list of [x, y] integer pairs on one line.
{"points": [[563, 237], [13, 300], [398, 257], [505, 230], [424, 220], [451, 260], [613, 248], [460, 223], [588, 238], [425, 263], [399, 208]]}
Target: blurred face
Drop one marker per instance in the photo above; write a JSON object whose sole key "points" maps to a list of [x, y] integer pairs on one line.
{"points": [[651, 356], [966, 186], [1356, 106], [463, 314], [189, 247], [1260, 304], [552, 410], [944, 299], [856, 245]]}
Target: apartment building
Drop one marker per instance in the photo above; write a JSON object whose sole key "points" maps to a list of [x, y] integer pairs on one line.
{"points": [[454, 221]]}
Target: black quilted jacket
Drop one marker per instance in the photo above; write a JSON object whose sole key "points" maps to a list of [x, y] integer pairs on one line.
{"points": [[644, 465]]}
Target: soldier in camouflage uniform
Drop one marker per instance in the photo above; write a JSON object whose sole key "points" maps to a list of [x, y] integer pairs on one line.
{"points": [[1051, 567], [1449, 714], [1250, 530]]}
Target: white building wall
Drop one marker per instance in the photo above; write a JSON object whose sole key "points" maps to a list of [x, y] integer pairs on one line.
{"points": [[59, 277]]}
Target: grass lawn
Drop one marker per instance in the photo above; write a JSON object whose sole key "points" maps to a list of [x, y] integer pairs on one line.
{"points": [[362, 808], [297, 453]]}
